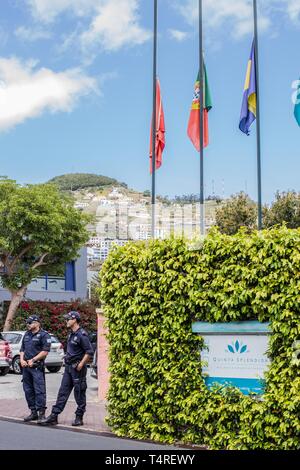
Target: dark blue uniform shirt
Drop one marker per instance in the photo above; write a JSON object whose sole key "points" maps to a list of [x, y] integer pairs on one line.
{"points": [[34, 343], [77, 346]]}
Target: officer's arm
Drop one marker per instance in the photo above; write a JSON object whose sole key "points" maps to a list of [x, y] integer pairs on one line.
{"points": [[86, 358], [23, 363], [40, 356], [86, 345]]}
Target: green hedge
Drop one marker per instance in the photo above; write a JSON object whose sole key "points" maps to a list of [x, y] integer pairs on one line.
{"points": [[152, 293], [51, 314]]}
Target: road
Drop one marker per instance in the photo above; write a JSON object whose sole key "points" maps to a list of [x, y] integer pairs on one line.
{"points": [[19, 436], [11, 386]]}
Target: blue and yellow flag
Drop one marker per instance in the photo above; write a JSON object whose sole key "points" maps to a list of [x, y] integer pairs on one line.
{"points": [[248, 113]]}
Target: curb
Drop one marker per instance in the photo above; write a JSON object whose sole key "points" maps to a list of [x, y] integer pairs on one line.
{"points": [[64, 427]]}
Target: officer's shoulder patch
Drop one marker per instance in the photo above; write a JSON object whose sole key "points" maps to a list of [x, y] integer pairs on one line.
{"points": [[83, 332], [49, 340]]}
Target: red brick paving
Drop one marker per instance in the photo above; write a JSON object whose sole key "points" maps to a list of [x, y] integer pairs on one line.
{"points": [[94, 418]]}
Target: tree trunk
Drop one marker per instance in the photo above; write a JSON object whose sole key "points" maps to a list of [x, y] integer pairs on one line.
{"points": [[16, 298]]}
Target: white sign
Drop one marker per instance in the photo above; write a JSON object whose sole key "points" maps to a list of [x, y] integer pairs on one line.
{"points": [[235, 356]]}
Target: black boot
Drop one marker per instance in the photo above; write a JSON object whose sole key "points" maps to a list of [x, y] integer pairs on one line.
{"points": [[41, 416], [32, 417], [51, 420], [77, 421]]}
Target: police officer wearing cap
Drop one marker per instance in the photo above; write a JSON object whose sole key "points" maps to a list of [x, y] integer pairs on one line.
{"points": [[79, 353], [34, 349]]}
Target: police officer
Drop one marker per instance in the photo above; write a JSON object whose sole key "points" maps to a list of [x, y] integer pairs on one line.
{"points": [[34, 349], [79, 353]]}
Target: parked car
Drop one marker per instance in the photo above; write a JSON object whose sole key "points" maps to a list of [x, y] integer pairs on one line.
{"points": [[93, 366], [5, 356], [54, 359], [93, 339]]}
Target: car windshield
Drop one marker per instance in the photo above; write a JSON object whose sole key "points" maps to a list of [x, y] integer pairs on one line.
{"points": [[12, 338], [54, 339]]}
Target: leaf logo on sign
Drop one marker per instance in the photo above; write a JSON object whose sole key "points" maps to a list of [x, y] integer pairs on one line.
{"points": [[237, 347]]}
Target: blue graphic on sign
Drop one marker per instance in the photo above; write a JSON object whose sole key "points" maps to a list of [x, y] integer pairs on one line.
{"points": [[237, 347]]}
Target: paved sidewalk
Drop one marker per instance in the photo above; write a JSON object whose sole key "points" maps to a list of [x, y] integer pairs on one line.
{"points": [[94, 418]]}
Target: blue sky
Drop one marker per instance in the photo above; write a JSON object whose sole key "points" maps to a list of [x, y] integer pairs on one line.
{"points": [[76, 92]]}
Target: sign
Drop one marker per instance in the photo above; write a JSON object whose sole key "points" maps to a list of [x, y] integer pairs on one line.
{"points": [[235, 354]]}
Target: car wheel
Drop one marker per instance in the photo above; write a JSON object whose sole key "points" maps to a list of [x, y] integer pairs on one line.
{"points": [[4, 371], [53, 369], [16, 366]]}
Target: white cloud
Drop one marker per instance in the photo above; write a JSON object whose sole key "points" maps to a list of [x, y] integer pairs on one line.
{"points": [[238, 13], [293, 9], [48, 10], [178, 35], [31, 35], [27, 92], [115, 25]]}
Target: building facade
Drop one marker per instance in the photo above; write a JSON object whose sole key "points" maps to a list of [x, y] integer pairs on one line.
{"points": [[71, 286]]}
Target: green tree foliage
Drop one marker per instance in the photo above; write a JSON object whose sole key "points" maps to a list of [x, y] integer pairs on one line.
{"points": [[40, 230], [74, 181], [152, 292], [285, 209], [239, 211]]}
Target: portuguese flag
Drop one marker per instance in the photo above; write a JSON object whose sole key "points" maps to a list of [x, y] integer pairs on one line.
{"points": [[194, 121]]}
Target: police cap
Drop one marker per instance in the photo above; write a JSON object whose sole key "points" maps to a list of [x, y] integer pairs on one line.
{"points": [[72, 316], [33, 318]]}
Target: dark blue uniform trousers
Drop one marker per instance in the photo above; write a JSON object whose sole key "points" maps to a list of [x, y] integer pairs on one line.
{"points": [[72, 379], [35, 388]]}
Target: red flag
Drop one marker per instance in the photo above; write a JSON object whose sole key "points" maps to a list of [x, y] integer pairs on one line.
{"points": [[160, 130]]}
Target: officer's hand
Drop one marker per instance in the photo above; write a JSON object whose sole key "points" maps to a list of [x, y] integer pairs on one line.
{"points": [[24, 363], [30, 362], [79, 367]]}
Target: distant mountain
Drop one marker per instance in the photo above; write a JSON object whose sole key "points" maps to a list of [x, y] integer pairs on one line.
{"points": [[74, 181]]}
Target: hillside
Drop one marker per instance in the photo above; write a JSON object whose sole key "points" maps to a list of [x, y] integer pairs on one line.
{"points": [[75, 181]]}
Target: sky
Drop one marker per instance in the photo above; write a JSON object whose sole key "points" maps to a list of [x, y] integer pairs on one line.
{"points": [[76, 92]]}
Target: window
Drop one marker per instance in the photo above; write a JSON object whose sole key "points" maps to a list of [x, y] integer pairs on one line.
{"points": [[54, 339], [12, 338], [56, 283]]}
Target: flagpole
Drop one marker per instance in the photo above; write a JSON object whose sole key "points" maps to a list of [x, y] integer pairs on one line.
{"points": [[154, 119], [201, 79], [259, 205]]}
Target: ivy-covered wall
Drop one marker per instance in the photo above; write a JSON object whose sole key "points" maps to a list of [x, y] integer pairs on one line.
{"points": [[153, 291]]}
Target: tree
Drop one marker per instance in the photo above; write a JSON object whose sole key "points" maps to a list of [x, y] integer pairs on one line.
{"points": [[285, 208], [40, 230], [75, 181], [238, 211], [94, 289]]}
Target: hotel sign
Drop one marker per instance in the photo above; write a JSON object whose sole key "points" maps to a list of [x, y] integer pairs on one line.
{"points": [[235, 354]]}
